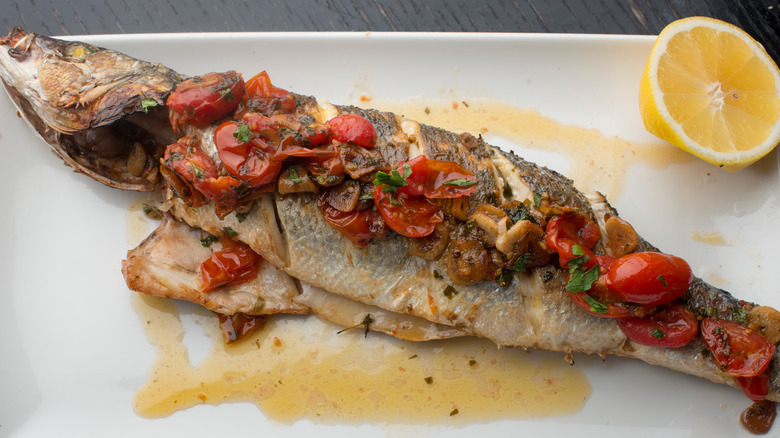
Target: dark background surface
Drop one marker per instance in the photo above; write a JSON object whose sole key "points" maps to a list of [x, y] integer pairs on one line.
{"points": [[760, 18]]}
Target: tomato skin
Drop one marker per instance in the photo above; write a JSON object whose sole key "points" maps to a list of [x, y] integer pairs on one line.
{"points": [[414, 216], [565, 231], [416, 180], [251, 161], [259, 87], [358, 226], [353, 128], [678, 325], [205, 99], [441, 172], [649, 278], [189, 162], [739, 351], [234, 264], [614, 310], [755, 388]]}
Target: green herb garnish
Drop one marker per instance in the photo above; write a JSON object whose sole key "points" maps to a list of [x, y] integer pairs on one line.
{"points": [[429, 380], [437, 275], [207, 240], [197, 171], [293, 175], [521, 264], [537, 200], [393, 180], [581, 280], [227, 94], [460, 183], [661, 279], [504, 278], [241, 216], [230, 232], [243, 133], [595, 306], [147, 103], [657, 333], [450, 291]]}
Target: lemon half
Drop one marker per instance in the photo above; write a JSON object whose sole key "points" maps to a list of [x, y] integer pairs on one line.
{"points": [[712, 90]]}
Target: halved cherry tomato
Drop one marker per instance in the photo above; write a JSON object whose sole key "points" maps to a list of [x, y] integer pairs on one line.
{"points": [[203, 99], [565, 231], [671, 327], [410, 216], [248, 161], [260, 87], [232, 265], [755, 388], [447, 179], [415, 182], [649, 278], [325, 161], [353, 128], [358, 226], [189, 162], [609, 310], [739, 351]]}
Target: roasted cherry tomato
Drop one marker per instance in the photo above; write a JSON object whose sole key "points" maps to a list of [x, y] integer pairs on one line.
{"points": [[671, 327], [565, 231], [415, 182], [190, 163], [234, 264], [739, 351], [601, 308], [249, 160], [353, 128], [203, 99], [358, 226], [447, 179], [755, 388], [268, 96], [410, 216], [649, 278], [325, 161]]}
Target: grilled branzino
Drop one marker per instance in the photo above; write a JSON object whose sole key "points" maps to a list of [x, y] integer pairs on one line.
{"points": [[477, 254]]}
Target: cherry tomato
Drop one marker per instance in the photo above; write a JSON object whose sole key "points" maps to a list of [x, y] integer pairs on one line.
{"points": [[416, 180], [358, 226], [248, 161], [603, 309], [671, 327], [261, 88], [203, 99], [189, 162], [755, 388], [353, 128], [447, 179], [739, 351], [410, 216], [232, 265], [565, 231], [649, 278], [325, 161]]}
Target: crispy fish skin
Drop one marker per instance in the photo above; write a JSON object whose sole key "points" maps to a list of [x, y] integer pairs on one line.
{"points": [[90, 105], [533, 311]]}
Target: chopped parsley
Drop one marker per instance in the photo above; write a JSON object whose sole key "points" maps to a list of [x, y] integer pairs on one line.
{"points": [[580, 280], [504, 278], [661, 279], [392, 181], [227, 94], [658, 333], [243, 133], [460, 183], [241, 216], [521, 264], [293, 175], [230, 232], [208, 239], [197, 171], [537, 200], [429, 380], [147, 103], [595, 306], [437, 275], [450, 291]]}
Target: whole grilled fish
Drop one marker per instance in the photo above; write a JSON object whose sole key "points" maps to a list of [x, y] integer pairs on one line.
{"points": [[530, 309]]}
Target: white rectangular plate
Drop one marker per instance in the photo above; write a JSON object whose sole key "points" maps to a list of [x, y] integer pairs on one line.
{"points": [[73, 352]]}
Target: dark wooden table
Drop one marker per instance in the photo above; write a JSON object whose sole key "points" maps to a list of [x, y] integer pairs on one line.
{"points": [[760, 18]]}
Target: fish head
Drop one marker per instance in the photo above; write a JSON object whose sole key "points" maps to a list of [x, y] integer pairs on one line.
{"points": [[101, 111]]}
